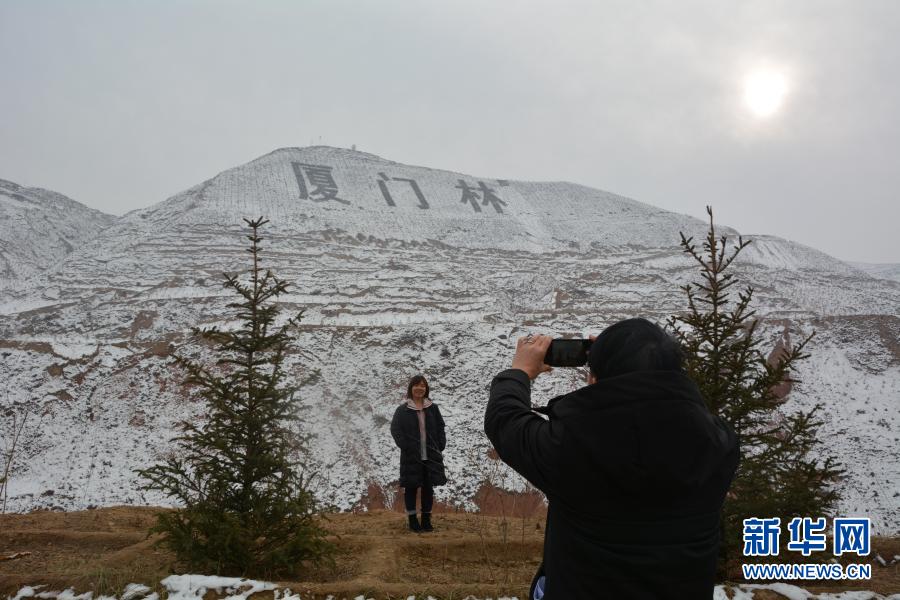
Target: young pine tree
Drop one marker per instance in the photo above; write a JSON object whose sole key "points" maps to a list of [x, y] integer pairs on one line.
{"points": [[783, 472], [245, 504]]}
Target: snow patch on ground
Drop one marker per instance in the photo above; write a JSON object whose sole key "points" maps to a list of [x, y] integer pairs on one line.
{"points": [[195, 587], [12, 307], [73, 350]]}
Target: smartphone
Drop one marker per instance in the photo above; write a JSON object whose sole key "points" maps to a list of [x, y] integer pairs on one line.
{"points": [[568, 353]]}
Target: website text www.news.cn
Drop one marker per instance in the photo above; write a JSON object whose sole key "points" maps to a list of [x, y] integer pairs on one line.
{"points": [[807, 571]]}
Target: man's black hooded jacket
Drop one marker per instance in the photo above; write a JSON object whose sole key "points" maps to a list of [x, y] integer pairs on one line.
{"points": [[635, 469]]}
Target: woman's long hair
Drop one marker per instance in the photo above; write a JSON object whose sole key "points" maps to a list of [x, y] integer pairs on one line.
{"points": [[417, 379]]}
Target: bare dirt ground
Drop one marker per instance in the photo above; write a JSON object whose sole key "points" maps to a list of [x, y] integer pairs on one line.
{"points": [[469, 554]]}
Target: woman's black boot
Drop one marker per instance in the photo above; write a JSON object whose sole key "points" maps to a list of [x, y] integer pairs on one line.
{"points": [[414, 523], [426, 522]]}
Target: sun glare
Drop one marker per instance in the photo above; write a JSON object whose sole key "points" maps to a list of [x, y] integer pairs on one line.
{"points": [[764, 92]]}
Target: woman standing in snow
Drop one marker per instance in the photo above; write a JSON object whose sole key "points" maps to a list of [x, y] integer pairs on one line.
{"points": [[418, 430]]}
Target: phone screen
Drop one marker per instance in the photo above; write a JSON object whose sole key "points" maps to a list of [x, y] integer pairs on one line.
{"points": [[567, 353]]}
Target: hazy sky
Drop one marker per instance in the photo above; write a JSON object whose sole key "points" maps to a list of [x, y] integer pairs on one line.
{"points": [[120, 104]]}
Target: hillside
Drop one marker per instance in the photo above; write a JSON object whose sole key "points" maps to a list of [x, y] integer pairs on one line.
{"points": [[400, 269], [40, 228], [889, 271]]}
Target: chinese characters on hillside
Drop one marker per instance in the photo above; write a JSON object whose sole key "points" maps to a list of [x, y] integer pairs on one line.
{"points": [[324, 187], [317, 183], [423, 203], [470, 194]]}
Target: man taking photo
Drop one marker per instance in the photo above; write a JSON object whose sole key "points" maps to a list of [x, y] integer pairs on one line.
{"points": [[634, 466]]}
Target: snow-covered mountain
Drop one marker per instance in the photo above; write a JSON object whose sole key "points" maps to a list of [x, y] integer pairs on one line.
{"points": [[400, 269], [881, 270], [39, 229]]}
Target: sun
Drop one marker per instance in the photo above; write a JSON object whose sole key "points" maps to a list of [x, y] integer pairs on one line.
{"points": [[764, 92]]}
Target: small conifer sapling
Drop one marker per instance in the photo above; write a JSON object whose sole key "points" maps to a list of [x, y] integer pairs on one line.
{"points": [[784, 471], [245, 504]]}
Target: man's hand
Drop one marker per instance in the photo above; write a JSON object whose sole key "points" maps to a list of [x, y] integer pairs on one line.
{"points": [[530, 353]]}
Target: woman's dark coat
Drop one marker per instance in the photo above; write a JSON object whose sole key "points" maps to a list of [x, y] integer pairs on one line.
{"points": [[635, 469], [405, 429]]}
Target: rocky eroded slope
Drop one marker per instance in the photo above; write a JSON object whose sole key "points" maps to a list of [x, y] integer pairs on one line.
{"points": [[399, 270]]}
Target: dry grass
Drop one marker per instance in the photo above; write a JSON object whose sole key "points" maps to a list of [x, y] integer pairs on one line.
{"points": [[104, 550], [485, 556]]}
